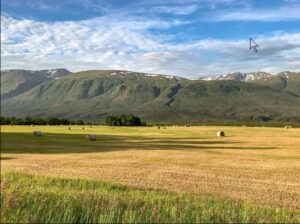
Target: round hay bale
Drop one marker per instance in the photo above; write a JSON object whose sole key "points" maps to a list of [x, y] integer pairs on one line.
{"points": [[69, 128], [82, 128], [158, 127], [37, 133], [92, 137], [221, 134]]}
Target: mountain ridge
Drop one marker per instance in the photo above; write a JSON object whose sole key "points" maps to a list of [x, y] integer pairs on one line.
{"points": [[237, 76], [94, 94]]}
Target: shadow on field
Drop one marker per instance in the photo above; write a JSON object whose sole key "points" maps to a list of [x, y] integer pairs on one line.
{"points": [[51, 143], [6, 158]]}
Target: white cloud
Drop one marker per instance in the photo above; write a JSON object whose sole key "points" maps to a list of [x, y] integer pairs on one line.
{"points": [[178, 10], [111, 42], [287, 12]]}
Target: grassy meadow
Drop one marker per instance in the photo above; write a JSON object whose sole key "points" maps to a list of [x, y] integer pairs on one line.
{"points": [[145, 174]]}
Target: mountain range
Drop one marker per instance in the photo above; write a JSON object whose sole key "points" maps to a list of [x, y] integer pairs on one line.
{"points": [[92, 95]]}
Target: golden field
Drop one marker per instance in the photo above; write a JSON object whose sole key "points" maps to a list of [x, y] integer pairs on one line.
{"points": [[257, 165]]}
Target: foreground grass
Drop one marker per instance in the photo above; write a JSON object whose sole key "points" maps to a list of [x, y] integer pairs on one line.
{"points": [[37, 199]]}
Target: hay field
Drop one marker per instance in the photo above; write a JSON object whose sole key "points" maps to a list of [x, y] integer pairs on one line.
{"points": [[260, 166]]}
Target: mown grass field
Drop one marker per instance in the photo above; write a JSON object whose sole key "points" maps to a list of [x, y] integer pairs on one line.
{"points": [[177, 174]]}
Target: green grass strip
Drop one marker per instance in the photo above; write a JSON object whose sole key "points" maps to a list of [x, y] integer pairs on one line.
{"points": [[36, 199]]}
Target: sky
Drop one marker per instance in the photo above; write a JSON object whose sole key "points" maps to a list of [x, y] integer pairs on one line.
{"points": [[189, 38]]}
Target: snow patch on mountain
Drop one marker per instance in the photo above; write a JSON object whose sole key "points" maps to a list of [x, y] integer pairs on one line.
{"points": [[238, 76], [146, 74], [164, 76], [55, 73]]}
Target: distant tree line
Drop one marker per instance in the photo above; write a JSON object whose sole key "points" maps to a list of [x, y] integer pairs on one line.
{"points": [[123, 120], [28, 120], [116, 120], [131, 120]]}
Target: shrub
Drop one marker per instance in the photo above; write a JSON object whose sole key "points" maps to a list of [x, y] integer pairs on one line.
{"points": [[123, 120]]}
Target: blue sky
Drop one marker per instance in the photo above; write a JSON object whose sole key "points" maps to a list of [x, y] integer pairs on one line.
{"points": [[190, 38]]}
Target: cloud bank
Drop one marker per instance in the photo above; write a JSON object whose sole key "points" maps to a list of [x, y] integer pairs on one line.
{"points": [[112, 42]]}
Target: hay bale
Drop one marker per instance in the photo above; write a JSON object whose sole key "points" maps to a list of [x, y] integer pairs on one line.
{"points": [[158, 127], [91, 137], [288, 127], [69, 128], [37, 133], [32, 126], [82, 128], [221, 134]]}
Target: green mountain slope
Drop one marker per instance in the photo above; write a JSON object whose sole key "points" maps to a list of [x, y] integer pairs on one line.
{"points": [[18, 81], [91, 95], [284, 81]]}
